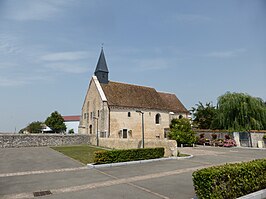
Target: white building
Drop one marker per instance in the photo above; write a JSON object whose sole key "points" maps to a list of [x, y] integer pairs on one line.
{"points": [[72, 122]]}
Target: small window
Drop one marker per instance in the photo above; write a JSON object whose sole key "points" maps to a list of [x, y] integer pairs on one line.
{"points": [[124, 133], [157, 118], [129, 114], [85, 116], [98, 113], [180, 116], [90, 129], [91, 115]]}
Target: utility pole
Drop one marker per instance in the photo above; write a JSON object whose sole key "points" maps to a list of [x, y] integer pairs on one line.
{"points": [[142, 114]]}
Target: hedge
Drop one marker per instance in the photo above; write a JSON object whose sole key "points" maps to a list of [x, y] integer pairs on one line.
{"points": [[104, 157], [230, 180]]}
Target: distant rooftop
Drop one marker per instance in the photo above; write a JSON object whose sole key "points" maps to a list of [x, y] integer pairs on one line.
{"points": [[71, 118]]}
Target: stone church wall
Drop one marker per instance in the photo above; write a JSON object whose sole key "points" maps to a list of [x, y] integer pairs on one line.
{"points": [[94, 107], [120, 120]]}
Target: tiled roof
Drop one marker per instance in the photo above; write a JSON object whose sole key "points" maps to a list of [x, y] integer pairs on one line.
{"points": [[173, 102], [71, 118], [133, 96]]}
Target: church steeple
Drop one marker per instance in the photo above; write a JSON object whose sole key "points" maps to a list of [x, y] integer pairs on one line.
{"points": [[101, 71]]}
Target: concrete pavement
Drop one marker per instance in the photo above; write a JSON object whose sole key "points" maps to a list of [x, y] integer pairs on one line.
{"points": [[69, 179]]}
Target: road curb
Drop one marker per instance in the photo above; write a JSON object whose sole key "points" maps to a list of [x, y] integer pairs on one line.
{"points": [[256, 195], [95, 166]]}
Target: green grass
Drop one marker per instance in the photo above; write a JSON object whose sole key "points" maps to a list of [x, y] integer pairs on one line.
{"points": [[81, 153], [183, 155]]}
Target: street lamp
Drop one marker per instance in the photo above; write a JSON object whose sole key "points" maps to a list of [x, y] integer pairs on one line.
{"points": [[142, 113], [97, 136]]}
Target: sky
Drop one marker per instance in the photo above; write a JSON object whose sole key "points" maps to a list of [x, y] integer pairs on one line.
{"points": [[198, 50]]}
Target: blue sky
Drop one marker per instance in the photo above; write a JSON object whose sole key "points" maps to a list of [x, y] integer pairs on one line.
{"points": [[196, 49]]}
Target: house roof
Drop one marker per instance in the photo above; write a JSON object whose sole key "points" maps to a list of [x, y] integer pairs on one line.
{"points": [[133, 96], [173, 103], [71, 118]]}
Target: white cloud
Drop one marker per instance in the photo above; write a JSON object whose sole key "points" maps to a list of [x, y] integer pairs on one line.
{"points": [[20, 80], [34, 10], [65, 56], [8, 44], [226, 54], [67, 67], [7, 82]]}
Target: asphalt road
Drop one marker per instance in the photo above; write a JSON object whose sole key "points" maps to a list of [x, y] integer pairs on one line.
{"points": [[25, 171]]}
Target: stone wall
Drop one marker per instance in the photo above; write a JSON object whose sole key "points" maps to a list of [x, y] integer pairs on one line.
{"points": [[254, 135], [170, 146], [29, 140]]}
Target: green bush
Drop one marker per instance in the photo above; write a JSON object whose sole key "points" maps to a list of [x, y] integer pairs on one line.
{"points": [[230, 180], [104, 157]]}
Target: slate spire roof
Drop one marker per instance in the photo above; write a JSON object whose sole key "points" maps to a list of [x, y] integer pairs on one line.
{"points": [[101, 65]]}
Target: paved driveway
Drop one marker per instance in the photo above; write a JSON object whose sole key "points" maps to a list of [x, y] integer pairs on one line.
{"points": [[33, 159], [65, 178]]}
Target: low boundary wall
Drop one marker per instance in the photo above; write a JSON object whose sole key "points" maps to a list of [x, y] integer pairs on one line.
{"points": [[255, 136], [31, 140], [170, 146]]}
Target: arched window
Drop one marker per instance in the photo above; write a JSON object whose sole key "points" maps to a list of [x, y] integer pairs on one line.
{"points": [[129, 114], [180, 116], [157, 118]]}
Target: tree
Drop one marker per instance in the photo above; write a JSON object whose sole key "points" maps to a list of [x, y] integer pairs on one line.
{"points": [[203, 115], [56, 122], [181, 131], [71, 131], [35, 127], [240, 112]]}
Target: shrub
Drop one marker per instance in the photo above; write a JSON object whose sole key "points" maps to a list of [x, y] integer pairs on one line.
{"points": [[181, 131], [219, 142], [71, 131], [203, 141], [230, 180], [229, 143], [214, 136], [264, 136], [104, 157], [202, 135], [226, 137]]}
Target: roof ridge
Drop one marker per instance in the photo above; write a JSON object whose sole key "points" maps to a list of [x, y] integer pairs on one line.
{"points": [[132, 84], [164, 92]]}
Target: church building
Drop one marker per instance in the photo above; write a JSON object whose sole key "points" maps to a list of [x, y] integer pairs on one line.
{"points": [[114, 110]]}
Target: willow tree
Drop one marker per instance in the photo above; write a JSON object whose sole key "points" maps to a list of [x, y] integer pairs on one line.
{"points": [[240, 112]]}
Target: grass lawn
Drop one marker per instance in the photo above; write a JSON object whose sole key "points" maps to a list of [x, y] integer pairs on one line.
{"points": [[81, 153], [182, 155]]}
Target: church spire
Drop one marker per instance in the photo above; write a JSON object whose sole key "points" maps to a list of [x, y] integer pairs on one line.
{"points": [[101, 71]]}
